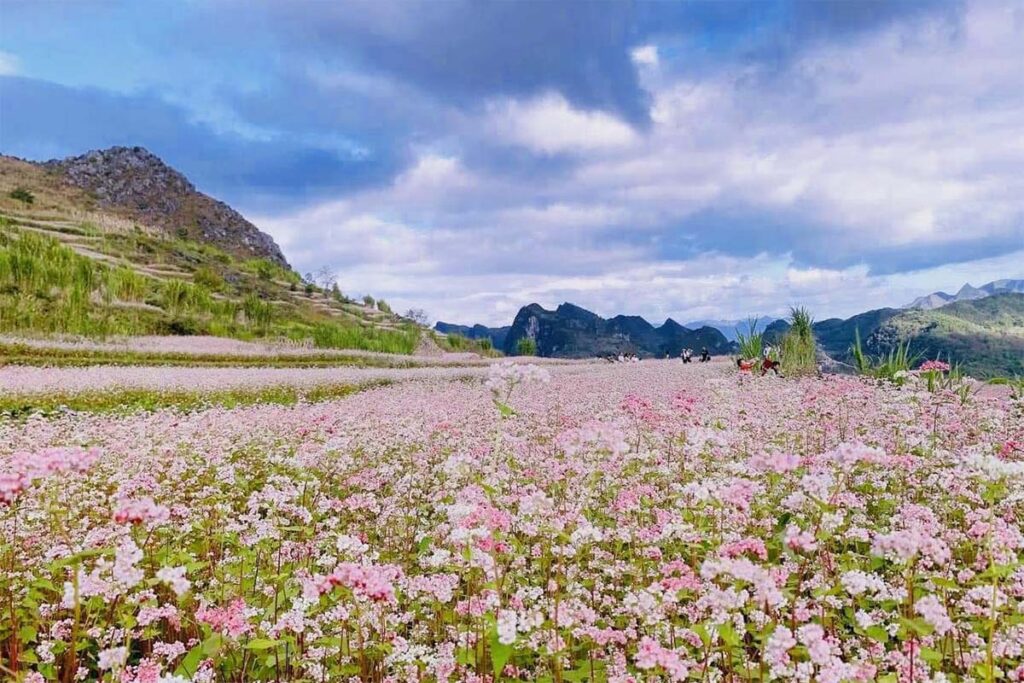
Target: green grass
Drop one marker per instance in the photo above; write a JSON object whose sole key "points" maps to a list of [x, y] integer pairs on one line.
{"points": [[333, 336], [457, 342], [140, 400], [526, 347]]}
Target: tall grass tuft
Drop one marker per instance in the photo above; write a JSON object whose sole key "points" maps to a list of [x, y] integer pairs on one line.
{"points": [[751, 342], [799, 351], [125, 284], [179, 296], [258, 313], [894, 366]]}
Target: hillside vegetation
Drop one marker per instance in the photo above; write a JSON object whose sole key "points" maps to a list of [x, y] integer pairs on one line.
{"points": [[984, 336], [71, 266]]}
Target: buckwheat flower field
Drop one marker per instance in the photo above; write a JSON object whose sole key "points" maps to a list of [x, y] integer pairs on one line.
{"points": [[628, 522]]}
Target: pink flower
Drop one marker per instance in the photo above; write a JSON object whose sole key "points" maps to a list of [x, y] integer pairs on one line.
{"points": [[369, 581], [141, 510], [229, 620], [934, 366]]}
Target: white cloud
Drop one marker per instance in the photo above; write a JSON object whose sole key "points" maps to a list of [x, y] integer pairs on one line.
{"points": [[548, 124], [9, 64], [908, 138], [646, 55]]}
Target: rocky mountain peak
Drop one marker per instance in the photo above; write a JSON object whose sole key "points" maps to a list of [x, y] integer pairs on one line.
{"points": [[140, 184]]}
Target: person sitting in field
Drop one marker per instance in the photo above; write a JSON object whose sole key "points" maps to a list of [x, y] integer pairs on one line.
{"points": [[704, 355], [685, 355], [769, 364], [744, 365]]}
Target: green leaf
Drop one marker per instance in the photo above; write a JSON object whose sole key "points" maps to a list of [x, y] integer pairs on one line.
{"points": [[500, 654], [729, 635], [931, 656], [877, 633], [190, 662], [212, 645], [918, 626], [261, 644]]}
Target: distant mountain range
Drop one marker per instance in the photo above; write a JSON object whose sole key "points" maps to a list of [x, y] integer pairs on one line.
{"points": [[967, 293], [729, 328], [573, 332], [985, 334]]}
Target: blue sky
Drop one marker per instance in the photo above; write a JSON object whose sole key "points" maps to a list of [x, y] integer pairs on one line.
{"points": [[692, 160]]}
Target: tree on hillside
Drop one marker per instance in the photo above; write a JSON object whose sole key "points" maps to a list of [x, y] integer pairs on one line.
{"points": [[22, 195], [325, 278], [418, 316]]}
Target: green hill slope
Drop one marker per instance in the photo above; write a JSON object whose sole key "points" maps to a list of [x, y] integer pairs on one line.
{"points": [[986, 336], [72, 264]]}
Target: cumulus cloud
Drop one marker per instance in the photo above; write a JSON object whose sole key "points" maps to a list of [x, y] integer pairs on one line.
{"points": [[684, 159], [549, 125], [889, 152]]}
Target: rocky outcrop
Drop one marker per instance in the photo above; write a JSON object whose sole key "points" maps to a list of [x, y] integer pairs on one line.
{"points": [[139, 184]]}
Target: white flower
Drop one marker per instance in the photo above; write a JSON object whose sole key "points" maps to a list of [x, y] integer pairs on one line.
{"points": [[113, 658], [175, 577], [507, 626]]}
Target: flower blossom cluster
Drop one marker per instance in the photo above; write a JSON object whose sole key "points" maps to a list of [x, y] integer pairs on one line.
{"points": [[625, 522]]}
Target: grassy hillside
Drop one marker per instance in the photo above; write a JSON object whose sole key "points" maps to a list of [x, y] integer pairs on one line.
{"points": [[68, 267], [985, 336]]}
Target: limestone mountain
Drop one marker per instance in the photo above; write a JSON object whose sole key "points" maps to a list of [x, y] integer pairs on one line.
{"points": [[570, 331], [135, 183], [967, 293]]}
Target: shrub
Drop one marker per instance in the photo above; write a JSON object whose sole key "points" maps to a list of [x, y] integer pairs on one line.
{"points": [[179, 295], [526, 347], [894, 367], [209, 278], [383, 306], [126, 284], [22, 195], [368, 300]]}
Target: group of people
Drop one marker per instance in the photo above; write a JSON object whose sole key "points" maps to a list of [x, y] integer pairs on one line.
{"points": [[766, 364], [686, 355], [622, 358]]}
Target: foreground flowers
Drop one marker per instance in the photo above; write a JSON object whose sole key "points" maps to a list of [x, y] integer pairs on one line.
{"points": [[621, 523]]}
